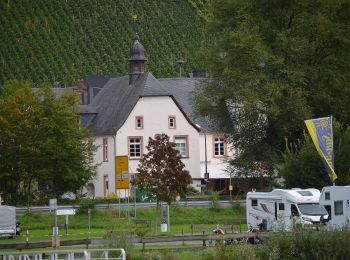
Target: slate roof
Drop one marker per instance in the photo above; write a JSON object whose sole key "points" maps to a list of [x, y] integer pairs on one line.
{"points": [[117, 98], [182, 89], [111, 107]]}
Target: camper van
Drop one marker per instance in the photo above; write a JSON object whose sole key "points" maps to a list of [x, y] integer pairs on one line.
{"points": [[7, 221], [281, 209], [336, 200]]}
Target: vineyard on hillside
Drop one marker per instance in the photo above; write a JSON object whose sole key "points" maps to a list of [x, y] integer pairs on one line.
{"points": [[62, 41]]}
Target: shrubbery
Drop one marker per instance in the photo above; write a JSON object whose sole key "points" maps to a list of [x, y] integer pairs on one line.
{"points": [[308, 245]]}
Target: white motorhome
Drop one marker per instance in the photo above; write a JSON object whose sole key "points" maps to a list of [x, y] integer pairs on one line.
{"points": [[7, 221], [280, 209], [336, 200]]}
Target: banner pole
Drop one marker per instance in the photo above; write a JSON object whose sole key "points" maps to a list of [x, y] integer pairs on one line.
{"points": [[333, 181]]}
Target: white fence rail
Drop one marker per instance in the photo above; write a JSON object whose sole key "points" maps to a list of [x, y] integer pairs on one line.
{"points": [[107, 254]]}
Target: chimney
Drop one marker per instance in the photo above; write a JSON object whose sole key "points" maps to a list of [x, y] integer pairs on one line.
{"points": [[137, 61]]}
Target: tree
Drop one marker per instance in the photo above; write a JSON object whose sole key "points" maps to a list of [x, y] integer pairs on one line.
{"points": [[161, 171], [41, 142], [273, 65], [304, 168]]}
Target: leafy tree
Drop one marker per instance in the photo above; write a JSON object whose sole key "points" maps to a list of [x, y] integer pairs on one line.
{"points": [[161, 171], [41, 142], [304, 168], [274, 64]]}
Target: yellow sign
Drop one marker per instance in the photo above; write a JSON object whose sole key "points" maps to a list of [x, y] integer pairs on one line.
{"points": [[121, 172]]}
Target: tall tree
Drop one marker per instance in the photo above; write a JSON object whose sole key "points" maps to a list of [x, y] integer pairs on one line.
{"points": [[161, 171], [274, 64], [41, 142]]}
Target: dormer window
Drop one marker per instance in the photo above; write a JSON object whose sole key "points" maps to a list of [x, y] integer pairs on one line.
{"points": [[171, 122], [139, 122]]}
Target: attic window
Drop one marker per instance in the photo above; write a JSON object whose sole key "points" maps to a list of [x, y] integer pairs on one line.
{"points": [[171, 122], [139, 122], [305, 193]]}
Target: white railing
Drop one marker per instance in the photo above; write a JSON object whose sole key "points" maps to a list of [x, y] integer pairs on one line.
{"points": [[89, 254]]}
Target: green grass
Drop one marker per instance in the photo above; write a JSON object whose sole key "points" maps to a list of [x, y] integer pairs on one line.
{"points": [[104, 221]]}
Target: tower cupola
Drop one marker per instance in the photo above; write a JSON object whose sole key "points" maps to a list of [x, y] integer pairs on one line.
{"points": [[137, 61]]}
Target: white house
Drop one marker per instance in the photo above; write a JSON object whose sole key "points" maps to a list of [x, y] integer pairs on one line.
{"points": [[124, 111]]}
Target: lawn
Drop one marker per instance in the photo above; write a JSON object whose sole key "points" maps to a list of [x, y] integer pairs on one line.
{"points": [[104, 221]]}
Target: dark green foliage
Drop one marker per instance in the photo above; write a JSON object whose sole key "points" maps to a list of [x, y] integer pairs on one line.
{"points": [[308, 245], [61, 41], [274, 64], [41, 143]]}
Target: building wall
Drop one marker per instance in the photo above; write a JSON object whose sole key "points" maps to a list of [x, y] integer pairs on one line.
{"points": [[216, 165], [105, 170], [155, 112]]}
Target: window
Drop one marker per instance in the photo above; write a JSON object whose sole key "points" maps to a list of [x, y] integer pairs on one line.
{"points": [[171, 122], [338, 207], [327, 195], [219, 146], [135, 144], [294, 210], [254, 203], [281, 206], [181, 145], [139, 122], [305, 193], [105, 149]]}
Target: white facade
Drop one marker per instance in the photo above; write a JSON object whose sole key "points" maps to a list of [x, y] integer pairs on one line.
{"points": [[104, 182], [216, 161], [154, 113]]}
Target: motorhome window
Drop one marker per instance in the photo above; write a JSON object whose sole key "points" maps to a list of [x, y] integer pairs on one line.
{"points": [[338, 207], [294, 210], [254, 203], [304, 193], [327, 195], [281, 206], [312, 209]]}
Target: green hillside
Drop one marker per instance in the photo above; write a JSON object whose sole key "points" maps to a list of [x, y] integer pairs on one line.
{"points": [[63, 40]]}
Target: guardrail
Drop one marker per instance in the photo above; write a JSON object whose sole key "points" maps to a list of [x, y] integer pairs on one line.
{"points": [[21, 210], [203, 238]]}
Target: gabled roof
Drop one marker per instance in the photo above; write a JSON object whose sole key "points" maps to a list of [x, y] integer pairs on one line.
{"points": [[117, 98]]}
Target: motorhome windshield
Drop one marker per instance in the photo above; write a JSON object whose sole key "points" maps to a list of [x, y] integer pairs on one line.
{"points": [[311, 209]]}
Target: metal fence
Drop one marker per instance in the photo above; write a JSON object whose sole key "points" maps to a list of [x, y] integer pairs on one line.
{"points": [[107, 254]]}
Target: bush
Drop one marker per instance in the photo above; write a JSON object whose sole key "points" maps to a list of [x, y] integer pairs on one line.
{"points": [[305, 244], [223, 252]]}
